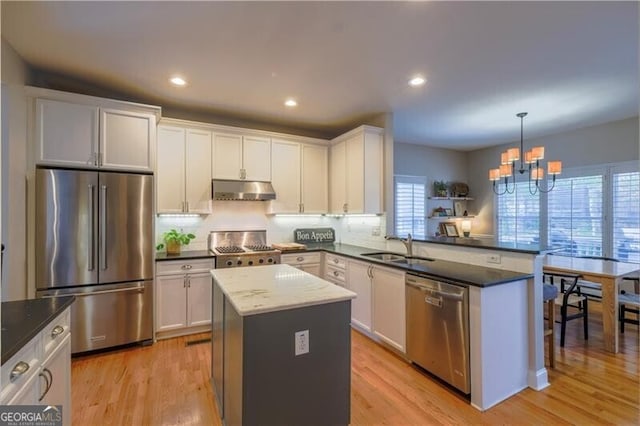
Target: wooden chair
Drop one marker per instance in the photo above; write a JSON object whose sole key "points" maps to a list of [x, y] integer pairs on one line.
{"points": [[570, 296], [549, 295], [629, 302]]}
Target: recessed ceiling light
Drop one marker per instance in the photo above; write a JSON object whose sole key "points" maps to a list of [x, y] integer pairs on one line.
{"points": [[290, 102], [178, 81], [417, 81]]}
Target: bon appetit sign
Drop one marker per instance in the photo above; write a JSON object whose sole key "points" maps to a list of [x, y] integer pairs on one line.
{"points": [[314, 235]]}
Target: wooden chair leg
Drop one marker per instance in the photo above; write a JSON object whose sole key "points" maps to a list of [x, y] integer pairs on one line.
{"points": [[551, 314], [563, 324], [585, 320]]}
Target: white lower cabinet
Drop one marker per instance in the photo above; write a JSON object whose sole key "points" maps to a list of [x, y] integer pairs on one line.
{"points": [[41, 370], [389, 306], [359, 281], [183, 297], [308, 262], [55, 378], [379, 308]]}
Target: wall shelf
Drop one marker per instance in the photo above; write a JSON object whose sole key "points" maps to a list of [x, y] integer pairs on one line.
{"points": [[451, 198]]}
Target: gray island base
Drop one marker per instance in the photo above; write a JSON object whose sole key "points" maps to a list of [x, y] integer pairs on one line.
{"points": [[257, 376]]}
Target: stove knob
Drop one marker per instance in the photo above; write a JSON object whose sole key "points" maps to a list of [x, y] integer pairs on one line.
{"points": [[239, 262], [261, 261], [250, 262], [270, 260], [229, 263]]}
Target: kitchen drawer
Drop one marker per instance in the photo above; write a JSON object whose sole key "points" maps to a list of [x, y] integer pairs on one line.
{"points": [[29, 356], [335, 261], [55, 332], [184, 266], [336, 275], [300, 258]]}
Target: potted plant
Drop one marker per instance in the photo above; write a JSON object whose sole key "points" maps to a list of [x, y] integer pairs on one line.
{"points": [[173, 240], [440, 188]]}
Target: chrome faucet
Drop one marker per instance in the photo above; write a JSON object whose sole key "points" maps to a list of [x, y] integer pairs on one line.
{"points": [[408, 243]]}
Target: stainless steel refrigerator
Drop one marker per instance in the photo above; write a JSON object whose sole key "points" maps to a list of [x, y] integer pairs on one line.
{"points": [[94, 240]]}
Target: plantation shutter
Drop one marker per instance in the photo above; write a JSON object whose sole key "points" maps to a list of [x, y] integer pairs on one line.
{"points": [[575, 216], [410, 207], [626, 216], [518, 215]]}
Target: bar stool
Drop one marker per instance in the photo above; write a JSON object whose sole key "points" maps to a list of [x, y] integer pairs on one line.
{"points": [[549, 295]]}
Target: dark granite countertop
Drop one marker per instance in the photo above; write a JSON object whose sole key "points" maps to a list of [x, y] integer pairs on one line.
{"points": [[22, 320], [187, 254], [487, 243], [462, 273]]}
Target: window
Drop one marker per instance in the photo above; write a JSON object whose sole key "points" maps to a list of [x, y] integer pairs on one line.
{"points": [[592, 211], [626, 216], [410, 206], [518, 215], [574, 216]]}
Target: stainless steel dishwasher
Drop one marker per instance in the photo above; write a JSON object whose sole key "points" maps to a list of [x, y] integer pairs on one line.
{"points": [[438, 329]]}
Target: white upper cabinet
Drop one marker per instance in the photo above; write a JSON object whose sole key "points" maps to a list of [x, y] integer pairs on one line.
{"points": [[237, 156], [66, 133], [127, 140], [227, 156], [198, 171], [73, 130], [183, 172], [285, 176], [315, 184], [299, 177], [256, 158], [170, 166], [357, 171]]}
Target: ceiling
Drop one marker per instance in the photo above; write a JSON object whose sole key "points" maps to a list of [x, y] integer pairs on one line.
{"points": [[569, 64]]}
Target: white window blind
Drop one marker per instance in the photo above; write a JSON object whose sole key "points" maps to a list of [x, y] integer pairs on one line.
{"points": [[575, 217], [410, 206], [626, 216], [518, 215]]}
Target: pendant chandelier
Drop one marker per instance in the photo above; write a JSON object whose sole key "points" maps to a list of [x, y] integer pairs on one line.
{"points": [[507, 169]]}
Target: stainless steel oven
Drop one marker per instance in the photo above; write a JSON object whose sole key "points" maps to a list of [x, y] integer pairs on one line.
{"points": [[438, 329], [235, 249]]}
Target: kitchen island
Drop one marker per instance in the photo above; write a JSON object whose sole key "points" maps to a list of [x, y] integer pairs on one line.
{"points": [[281, 347]]}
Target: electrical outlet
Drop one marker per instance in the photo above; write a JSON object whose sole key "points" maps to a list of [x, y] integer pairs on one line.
{"points": [[494, 258], [302, 342], [375, 231]]}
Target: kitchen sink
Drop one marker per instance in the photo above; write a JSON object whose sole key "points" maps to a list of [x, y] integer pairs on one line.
{"points": [[412, 261], [387, 257]]}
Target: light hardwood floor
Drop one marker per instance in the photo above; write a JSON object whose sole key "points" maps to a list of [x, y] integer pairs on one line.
{"points": [[168, 383]]}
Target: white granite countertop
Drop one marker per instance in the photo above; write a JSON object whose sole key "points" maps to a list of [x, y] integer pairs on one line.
{"points": [[261, 289]]}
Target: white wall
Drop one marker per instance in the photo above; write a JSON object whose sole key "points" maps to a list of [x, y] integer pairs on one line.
{"points": [[14, 76], [612, 142], [434, 163]]}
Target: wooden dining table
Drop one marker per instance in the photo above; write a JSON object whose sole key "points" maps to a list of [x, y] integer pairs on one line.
{"points": [[606, 272]]}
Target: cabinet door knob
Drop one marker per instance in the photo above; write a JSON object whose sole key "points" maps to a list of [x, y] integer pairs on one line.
{"points": [[19, 369], [335, 260], [300, 258], [335, 273], [57, 330]]}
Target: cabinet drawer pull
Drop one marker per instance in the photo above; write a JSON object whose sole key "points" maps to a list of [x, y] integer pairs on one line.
{"points": [[57, 330], [20, 368], [336, 273], [300, 259], [335, 260]]}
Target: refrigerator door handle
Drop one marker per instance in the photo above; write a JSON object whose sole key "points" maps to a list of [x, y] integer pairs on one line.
{"points": [[103, 228], [90, 265]]}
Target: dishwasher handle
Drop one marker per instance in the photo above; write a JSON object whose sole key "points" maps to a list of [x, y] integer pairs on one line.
{"points": [[435, 294]]}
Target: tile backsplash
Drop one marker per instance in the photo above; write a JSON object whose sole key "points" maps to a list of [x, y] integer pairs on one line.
{"points": [[366, 231]]}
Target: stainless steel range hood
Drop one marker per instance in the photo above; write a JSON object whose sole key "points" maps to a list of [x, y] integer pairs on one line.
{"points": [[242, 190]]}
